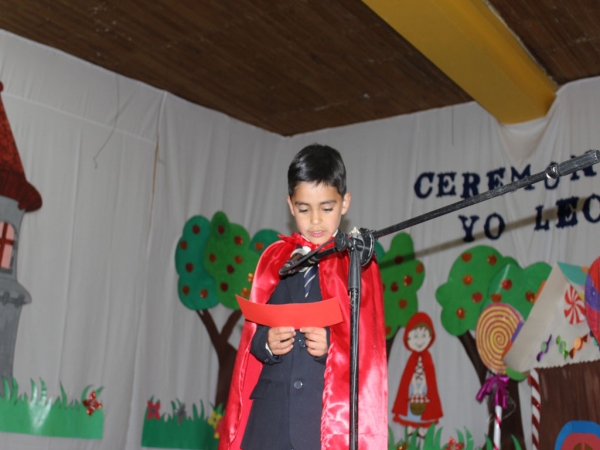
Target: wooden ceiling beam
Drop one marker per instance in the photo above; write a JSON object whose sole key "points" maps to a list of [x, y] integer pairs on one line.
{"points": [[471, 45]]}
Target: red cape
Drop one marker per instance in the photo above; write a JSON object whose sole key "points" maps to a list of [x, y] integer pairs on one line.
{"points": [[372, 377], [433, 411]]}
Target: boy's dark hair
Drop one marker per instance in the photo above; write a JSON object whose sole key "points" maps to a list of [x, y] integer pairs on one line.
{"points": [[319, 164]]}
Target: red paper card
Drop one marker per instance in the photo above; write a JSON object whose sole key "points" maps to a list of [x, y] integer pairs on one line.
{"points": [[297, 315]]}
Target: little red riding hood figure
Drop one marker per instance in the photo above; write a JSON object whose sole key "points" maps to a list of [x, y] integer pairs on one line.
{"points": [[417, 404]]}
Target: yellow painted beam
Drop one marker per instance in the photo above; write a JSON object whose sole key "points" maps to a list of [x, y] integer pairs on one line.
{"points": [[468, 42]]}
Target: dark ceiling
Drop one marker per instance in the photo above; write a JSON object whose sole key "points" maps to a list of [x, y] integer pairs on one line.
{"points": [[291, 66]]}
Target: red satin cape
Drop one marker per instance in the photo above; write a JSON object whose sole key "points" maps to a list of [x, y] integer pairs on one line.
{"points": [[372, 377]]}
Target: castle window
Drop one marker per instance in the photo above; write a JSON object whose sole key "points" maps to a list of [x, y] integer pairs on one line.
{"points": [[7, 241]]}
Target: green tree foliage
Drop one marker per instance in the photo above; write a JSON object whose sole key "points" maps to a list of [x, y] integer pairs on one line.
{"points": [[402, 276], [481, 276], [517, 287], [262, 239], [462, 296], [216, 260], [229, 259], [196, 287]]}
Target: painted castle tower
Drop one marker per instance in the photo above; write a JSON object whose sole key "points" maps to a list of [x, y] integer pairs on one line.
{"points": [[17, 196]]}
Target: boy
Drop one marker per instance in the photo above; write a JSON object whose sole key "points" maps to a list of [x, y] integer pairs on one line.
{"points": [[291, 388]]}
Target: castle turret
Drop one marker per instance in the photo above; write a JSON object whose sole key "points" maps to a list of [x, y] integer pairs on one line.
{"points": [[17, 196]]}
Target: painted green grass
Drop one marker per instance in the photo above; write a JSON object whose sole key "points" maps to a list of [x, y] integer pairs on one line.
{"points": [[39, 415], [177, 430], [489, 445], [432, 441]]}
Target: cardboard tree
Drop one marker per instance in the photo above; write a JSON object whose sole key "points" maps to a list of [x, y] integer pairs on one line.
{"points": [[556, 346], [215, 261]]}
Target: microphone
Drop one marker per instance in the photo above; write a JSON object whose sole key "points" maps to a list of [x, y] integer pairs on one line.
{"points": [[291, 266]]}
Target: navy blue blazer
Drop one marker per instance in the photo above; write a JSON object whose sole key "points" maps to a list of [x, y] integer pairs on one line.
{"points": [[288, 398]]}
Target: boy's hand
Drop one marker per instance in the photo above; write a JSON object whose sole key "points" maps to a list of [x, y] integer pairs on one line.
{"points": [[280, 340], [316, 340]]}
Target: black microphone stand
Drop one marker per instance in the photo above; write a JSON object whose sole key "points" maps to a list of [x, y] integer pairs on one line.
{"points": [[360, 244]]}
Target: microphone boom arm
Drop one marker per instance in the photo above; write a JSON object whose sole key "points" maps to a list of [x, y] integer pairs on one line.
{"points": [[553, 171]]}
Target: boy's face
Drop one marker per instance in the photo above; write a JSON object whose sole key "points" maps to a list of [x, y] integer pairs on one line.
{"points": [[318, 210]]}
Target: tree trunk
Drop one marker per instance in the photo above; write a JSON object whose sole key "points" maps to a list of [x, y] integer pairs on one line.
{"points": [[226, 353], [512, 424]]}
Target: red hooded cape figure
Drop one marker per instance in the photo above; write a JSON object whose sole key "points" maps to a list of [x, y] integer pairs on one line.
{"points": [[417, 402], [372, 377]]}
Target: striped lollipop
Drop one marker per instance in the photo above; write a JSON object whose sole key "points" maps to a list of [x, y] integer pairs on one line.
{"points": [[592, 298], [495, 328]]}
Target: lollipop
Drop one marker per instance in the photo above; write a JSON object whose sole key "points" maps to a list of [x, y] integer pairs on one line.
{"points": [[496, 326], [592, 298], [495, 329]]}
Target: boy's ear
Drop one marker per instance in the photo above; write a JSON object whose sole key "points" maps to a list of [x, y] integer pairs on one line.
{"points": [[346, 202], [290, 204]]}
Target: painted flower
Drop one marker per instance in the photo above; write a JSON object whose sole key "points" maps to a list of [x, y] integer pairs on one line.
{"points": [[153, 410], [91, 404], [453, 445], [215, 421]]}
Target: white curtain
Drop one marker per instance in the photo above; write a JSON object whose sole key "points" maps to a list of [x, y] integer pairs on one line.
{"points": [[122, 166]]}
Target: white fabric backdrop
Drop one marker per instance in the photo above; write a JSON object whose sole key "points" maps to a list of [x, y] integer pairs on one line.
{"points": [[122, 166]]}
